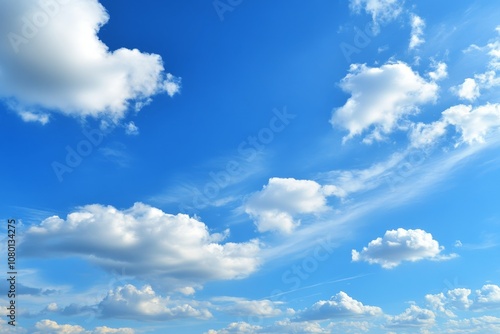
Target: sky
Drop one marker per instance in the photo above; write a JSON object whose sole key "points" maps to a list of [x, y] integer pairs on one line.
{"points": [[232, 166]]}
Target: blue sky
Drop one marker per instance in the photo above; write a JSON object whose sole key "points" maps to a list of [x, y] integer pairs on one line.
{"points": [[251, 167]]}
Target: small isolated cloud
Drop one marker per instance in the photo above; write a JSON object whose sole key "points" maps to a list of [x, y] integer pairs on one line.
{"points": [[440, 71], [413, 316], [181, 251], [380, 98], [129, 302], [417, 31], [339, 306], [381, 11], [422, 135], [400, 245], [131, 129], [273, 208], [52, 60], [468, 90], [51, 327]]}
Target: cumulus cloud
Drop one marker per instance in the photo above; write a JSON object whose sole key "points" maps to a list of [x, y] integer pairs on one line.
{"points": [[468, 90], [52, 327], [456, 299], [440, 71], [52, 60], [273, 208], [129, 302], [488, 297], [180, 250], [413, 316], [401, 245], [417, 31], [380, 98], [340, 305], [471, 88], [381, 11], [131, 129], [422, 135], [462, 299], [473, 123]]}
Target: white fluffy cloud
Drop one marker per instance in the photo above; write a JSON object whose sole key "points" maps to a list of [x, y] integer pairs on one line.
{"points": [[53, 61], [380, 98], [340, 305], [52, 327], [273, 208], [417, 30], [381, 10], [400, 245], [413, 316], [488, 297], [128, 302], [456, 299], [468, 90], [471, 88], [440, 71], [473, 123], [422, 135], [180, 251]]}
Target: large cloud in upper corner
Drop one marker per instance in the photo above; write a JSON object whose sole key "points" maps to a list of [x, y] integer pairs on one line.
{"points": [[170, 251], [401, 245], [380, 98], [51, 60]]}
